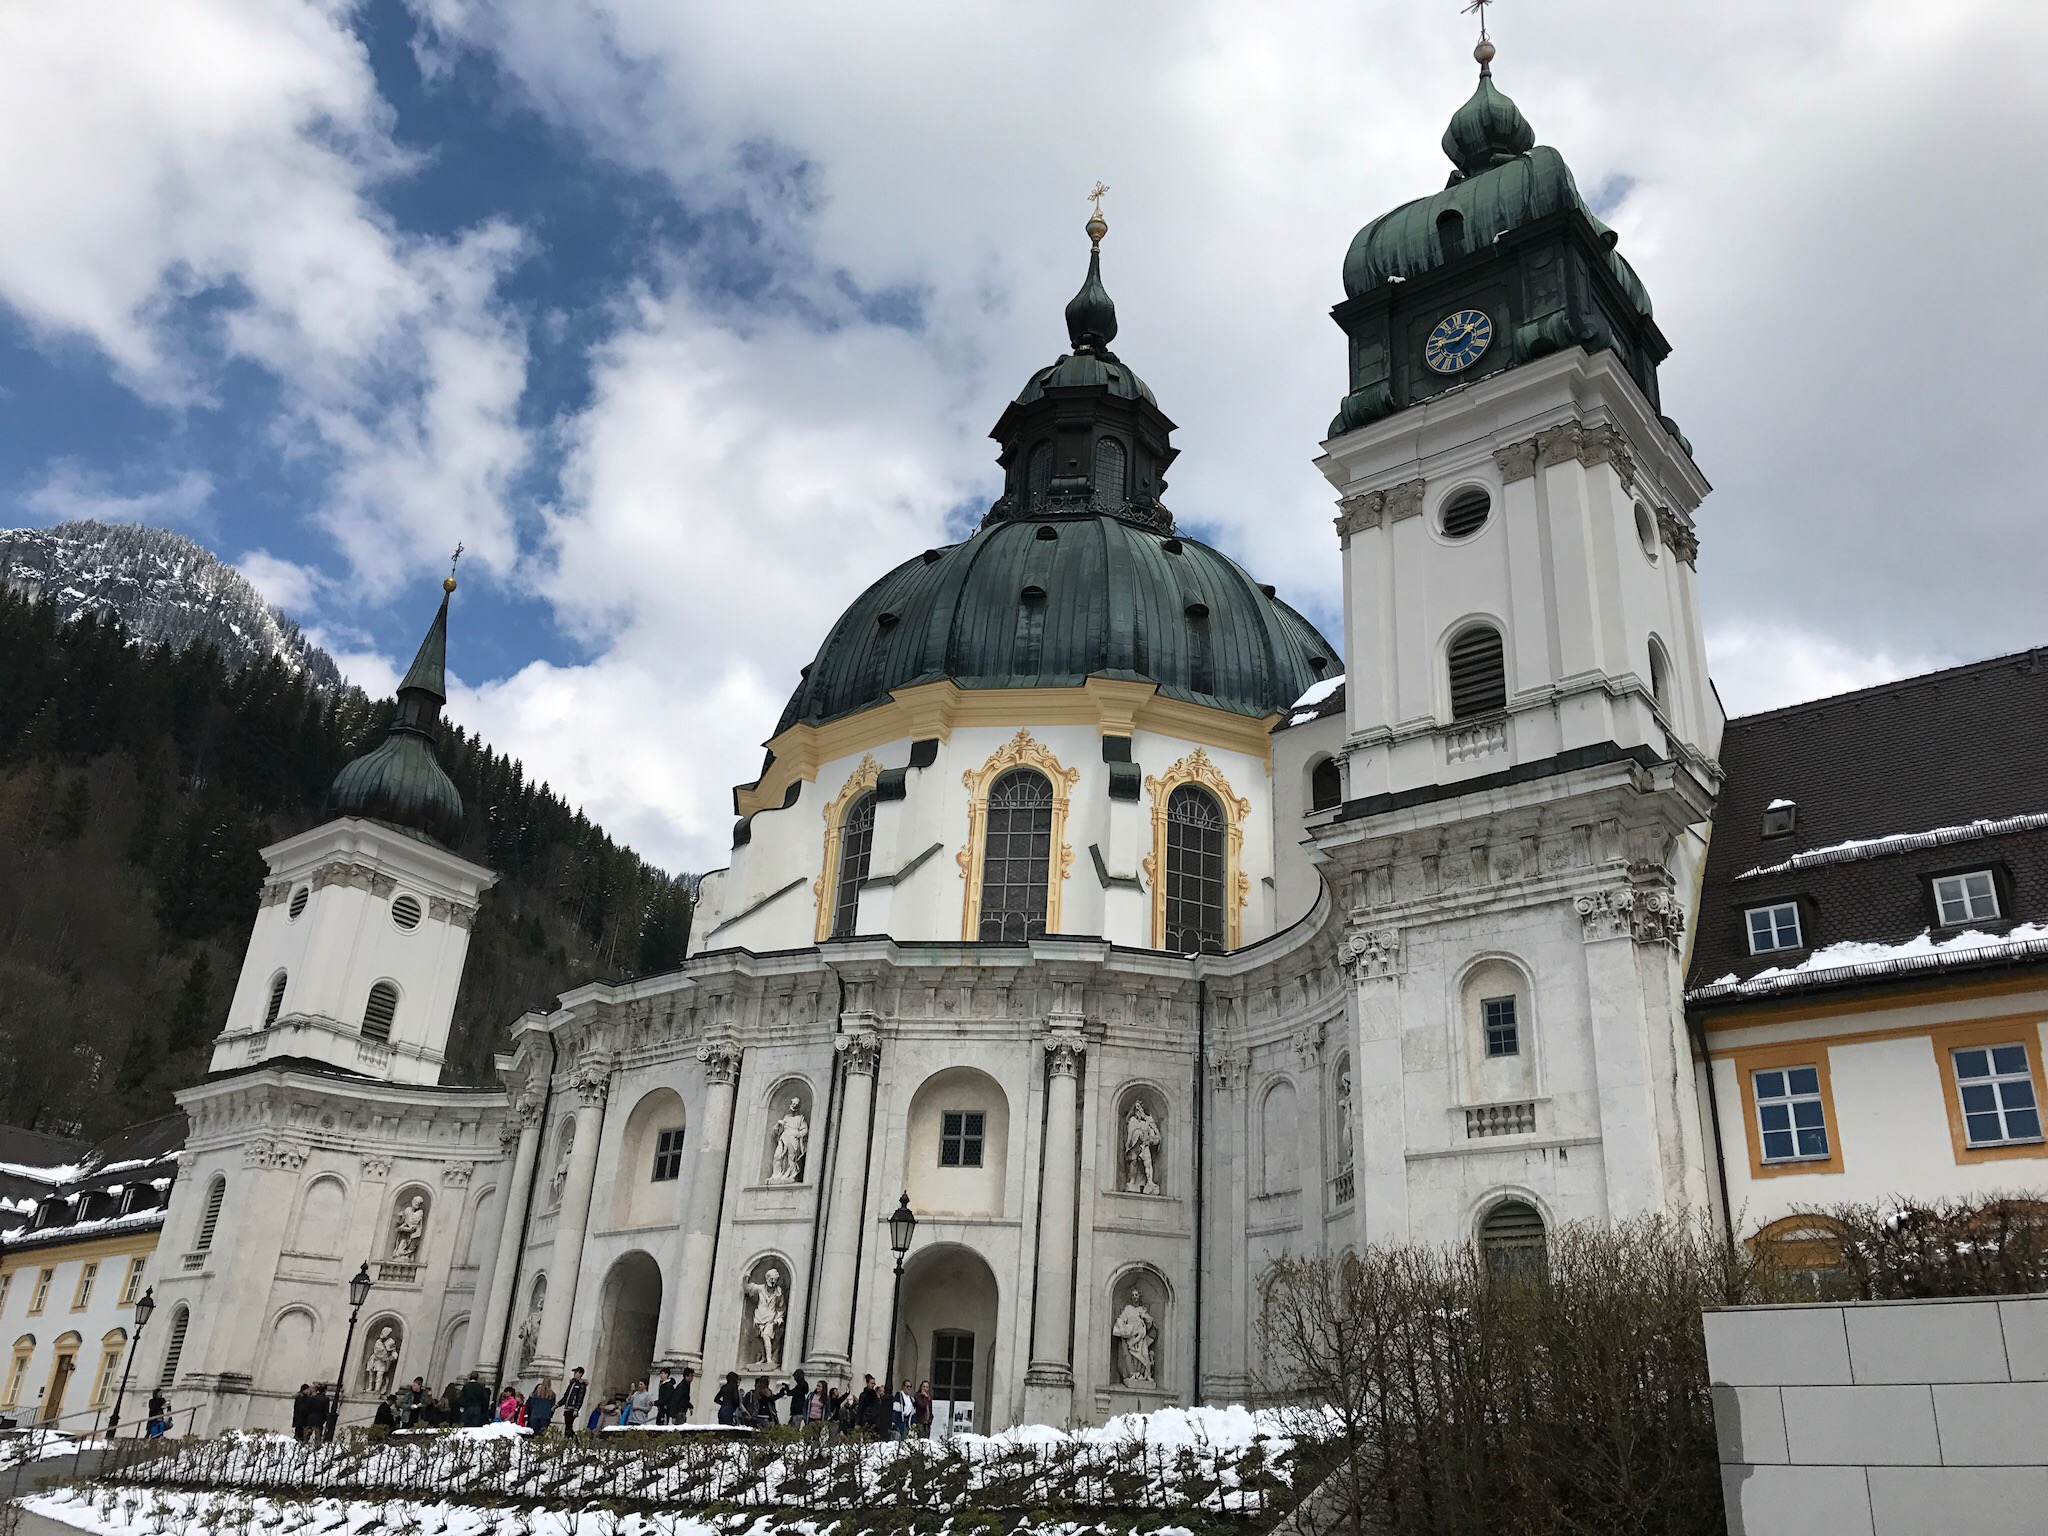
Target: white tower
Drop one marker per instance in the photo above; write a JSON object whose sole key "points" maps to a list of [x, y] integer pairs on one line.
{"points": [[1530, 728], [358, 947]]}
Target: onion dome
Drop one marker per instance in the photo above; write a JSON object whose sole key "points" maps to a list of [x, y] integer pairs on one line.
{"points": [[1488, 130], [401, 783]]}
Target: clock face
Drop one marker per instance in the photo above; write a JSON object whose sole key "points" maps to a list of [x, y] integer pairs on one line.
{"points": [[1458, 341]]}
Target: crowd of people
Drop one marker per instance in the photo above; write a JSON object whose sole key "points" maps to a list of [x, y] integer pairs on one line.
{"points": [[824, 1409]]}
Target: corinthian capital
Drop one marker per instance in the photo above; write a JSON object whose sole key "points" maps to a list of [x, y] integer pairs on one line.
{"points": [[721, 1062], [862, 1050], [1063, 1055]]}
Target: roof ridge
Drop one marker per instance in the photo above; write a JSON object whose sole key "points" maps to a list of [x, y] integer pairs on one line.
{"points": [[1898, 684]]}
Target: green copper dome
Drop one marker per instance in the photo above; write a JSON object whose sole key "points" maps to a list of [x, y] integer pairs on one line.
{"points": [[401, 783], [1045, 603]]}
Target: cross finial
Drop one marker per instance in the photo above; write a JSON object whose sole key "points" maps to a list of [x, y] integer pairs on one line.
{"points": [[1097, 226], [1484, 52], [1096, 194], [453, 561]]}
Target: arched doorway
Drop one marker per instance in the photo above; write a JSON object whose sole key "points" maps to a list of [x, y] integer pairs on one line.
{"points": [[947, 1335], [629, 1312]]}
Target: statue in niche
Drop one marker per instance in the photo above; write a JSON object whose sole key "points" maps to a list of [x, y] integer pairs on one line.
{"points": [[1135, 1332], [1344, 1116], [1141, 1150], [529, 1328], [561, 1179], [380, 1364], [408, 1233], [771, 1304], [792, 1137]]}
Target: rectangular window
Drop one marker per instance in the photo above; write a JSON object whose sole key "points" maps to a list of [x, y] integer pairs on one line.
{"points": [[6, 1285], [668, 1155], [15, 1375], [1970, 898], [1789, 1114], [952, 1366], [41, 1293], [131, 1283], [83, 1295], [110, 1365], [1502, 1038], [1997, 1092], [1774, 927], [960, 1132]]}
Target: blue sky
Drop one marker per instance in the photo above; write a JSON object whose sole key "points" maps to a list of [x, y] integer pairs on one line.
{"points": [[688, 320]]}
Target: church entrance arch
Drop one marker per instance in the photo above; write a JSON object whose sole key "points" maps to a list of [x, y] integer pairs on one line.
{"points": [[947, 1335], [629, 1312]]}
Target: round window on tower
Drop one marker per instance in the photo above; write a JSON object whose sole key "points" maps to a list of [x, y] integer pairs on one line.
{"points": [[299, 898], [1646, 532], [405, 912], [1464, 512]]}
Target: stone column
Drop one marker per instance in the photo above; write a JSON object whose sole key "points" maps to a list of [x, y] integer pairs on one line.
{"points": [[832, 1354], [1613, 922], [521, 1139], [1049, 1384], [572, 1224], [689, 1312], [1379, 1107]]}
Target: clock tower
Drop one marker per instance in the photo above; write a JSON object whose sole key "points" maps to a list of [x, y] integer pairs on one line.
{"points": [[1530, 733]]}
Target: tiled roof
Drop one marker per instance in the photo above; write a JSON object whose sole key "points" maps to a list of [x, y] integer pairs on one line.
{"points": [[1894, 785], [90, 1192]]}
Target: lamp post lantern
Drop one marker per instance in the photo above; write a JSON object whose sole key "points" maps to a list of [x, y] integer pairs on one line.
{"points": [[143, 1308], [902, 1227], [358, 1293]]}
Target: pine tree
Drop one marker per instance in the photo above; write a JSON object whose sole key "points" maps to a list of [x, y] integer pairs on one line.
{"points": [[192, 1016]]}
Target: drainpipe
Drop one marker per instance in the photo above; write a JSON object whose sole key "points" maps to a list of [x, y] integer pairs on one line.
{"points": [[540, 1152], [1201, 1162], [1698, 1032]]}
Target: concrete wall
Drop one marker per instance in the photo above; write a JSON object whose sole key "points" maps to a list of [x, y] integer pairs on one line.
{"points": [[1883, 1418]]}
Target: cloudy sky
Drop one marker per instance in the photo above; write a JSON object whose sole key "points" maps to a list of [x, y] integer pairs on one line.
{"points": [[689, 320]]}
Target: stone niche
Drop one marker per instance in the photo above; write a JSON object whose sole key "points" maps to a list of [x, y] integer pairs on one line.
{"points": [[1141, 1142], [1139, 1307]]}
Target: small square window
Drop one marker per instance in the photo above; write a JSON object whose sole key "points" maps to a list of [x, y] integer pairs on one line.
{"points": [[1996, 1088], [1773, 928], [668, 1155], [1502, 1037], [1780, 817], [1970, 898], [960, 1134], [1789, 1114]]}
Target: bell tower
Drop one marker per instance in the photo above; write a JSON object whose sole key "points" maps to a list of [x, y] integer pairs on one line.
{"points": [[1530, 730]]}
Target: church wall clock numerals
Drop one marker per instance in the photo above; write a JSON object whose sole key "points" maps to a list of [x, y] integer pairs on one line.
{"points": [[1457, 341]]}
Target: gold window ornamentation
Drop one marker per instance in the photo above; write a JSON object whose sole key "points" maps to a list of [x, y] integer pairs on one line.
{"points": [[826, 888], [1021, 751], [1200, 769]]}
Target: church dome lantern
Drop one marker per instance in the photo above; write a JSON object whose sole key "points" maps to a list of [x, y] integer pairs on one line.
{"points": [[400, 782]]}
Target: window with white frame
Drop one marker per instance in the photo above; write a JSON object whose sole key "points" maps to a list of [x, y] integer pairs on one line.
{"points": [[960, 1137], [1772, 928], [1996, 1087], [1503, 1035], [668, 1155], [1970, 898], [82, 1297], [131, 1283], [1789, 1114], [41, 1293]]}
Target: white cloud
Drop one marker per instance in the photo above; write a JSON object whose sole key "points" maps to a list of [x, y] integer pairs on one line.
{"points": [[70, 491], [187, 184], [1768, 665], [282, 583]]}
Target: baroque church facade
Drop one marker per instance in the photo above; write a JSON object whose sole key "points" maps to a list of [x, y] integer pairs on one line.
{"points": [[1085, 902]]}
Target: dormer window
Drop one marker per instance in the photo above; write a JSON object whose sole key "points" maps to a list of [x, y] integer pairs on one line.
{"points": [[1773, 928], [1970, 898], [1780, 817]]}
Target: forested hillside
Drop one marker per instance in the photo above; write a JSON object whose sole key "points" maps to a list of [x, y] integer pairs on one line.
{"points": [[136, 785]]}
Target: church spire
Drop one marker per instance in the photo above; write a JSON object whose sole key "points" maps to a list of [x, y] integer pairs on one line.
{"points": [[1091, 315]]}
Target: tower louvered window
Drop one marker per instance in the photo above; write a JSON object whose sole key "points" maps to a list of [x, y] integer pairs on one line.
{"points": [[174, 1351], [1195, 873], [1479, 673], [276, 1003], [1513, 1240], [379, 1011], [1109, 471], [856, 847], [216, 1192], [1016, 865]]}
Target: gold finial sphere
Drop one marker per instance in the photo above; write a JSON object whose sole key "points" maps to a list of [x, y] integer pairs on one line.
{"points": [[1484, 52], [447, 583], [1097, 226]]}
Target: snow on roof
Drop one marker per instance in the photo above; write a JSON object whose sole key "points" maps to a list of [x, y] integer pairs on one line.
{"points": [[1898, 842], [1308, 706], [134, 1221], [55, 1173], [1781, 805], [1855, 960]]}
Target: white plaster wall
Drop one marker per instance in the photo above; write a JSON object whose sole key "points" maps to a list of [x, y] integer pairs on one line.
{"points": [[1296, 877], [101, 1315]]}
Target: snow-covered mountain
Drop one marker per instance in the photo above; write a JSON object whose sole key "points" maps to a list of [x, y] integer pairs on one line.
{"points": [[162, 587]]}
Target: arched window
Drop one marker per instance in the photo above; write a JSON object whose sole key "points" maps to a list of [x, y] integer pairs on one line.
{"points": [[1017, 857], [1450, 232], [1325, 785], [856, 847], [1109, 470], [1660, 677], [379, 1011], [1039, 476], [276, 998], [175, 1349], [1511, 1240], [1479, 673], [216, 1192], [1195, 871]]}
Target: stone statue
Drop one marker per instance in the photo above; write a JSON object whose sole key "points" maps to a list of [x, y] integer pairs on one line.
{"points": [[529, 1328], [1344, 1116], [380, 1365], [792, 1137], [770, 1304], [561, 1179], [408, 1236], [1141, 1146], [1134, 1332]]}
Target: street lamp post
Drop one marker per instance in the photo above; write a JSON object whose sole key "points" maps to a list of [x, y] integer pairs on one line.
{"points": [[143, 1308], [902, 1226], [358, 1293]]}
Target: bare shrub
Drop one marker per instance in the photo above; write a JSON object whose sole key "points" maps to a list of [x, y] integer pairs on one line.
{"points": [[1561, 1397], [1907, 1250]]}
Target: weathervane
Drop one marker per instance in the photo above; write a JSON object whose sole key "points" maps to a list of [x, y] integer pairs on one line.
{"points": [[453, 561], [1484, 52]]}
